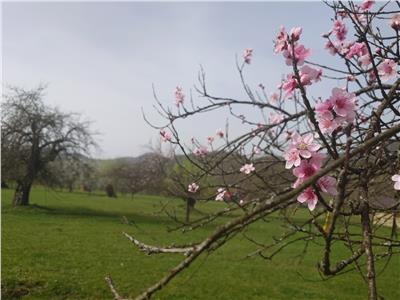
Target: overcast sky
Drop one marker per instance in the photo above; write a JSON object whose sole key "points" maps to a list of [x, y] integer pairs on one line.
{"points": [[101, 59]]}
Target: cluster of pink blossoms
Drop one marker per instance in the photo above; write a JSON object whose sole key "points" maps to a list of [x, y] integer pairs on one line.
{"points": [[179, 96], [200, 151], [337, 111], [292, 51], [302, 154]]}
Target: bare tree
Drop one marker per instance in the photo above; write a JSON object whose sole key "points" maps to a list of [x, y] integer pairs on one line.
{"points": [[34, 134]]}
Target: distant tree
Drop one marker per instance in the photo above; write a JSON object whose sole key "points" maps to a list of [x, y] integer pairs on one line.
{"points": [[34, 135], [66, 172]]}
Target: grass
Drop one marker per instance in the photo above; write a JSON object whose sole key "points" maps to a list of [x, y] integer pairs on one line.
{"points": [[63, 246]]}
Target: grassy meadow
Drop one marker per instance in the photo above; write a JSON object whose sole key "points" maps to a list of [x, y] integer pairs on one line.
{"points": [[64, 245]]}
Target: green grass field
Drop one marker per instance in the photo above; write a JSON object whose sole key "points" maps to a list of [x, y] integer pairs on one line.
{"points": [[64, 245]]}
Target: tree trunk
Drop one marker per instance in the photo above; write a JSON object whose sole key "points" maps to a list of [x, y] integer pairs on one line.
{"points": [[21, 196]]}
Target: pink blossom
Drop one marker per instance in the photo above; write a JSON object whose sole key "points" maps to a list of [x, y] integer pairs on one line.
{"points": [[367, 4], [247, 169], [281, 41], [292, 157], [289, 85], [165, 136], [307, 168], [179, 96], [193, 187], [331, 48], [303, 171], [275, 118], [387, 70], [344, 104], [304, 144], [247, 55], [339, 29], [200, 151], [395, 22], [210, 140], [358, 49], [300, 54], [327, 125], [328, 185], [295, 33], [273, 98], [220, 133], [343, 47], [309, 75], [364, 60], [309, 197], [396, 179]]}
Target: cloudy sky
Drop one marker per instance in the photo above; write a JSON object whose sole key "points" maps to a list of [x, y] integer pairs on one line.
{"points": [[101, 59]]}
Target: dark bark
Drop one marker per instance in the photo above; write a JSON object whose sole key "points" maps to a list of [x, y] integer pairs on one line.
{"points": [[22, 191]]}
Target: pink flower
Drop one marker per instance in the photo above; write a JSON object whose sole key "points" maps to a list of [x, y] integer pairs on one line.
{"points": [[247, 55], [364, 60], [366, 4], [275, 118], [303, 171], [344, 104], [292, 157], [295, 33], [179, 96], [358, 49], [308, 74], [165, 136], [193, 187], [247, 169], [220, 133], [281, 41], [396, 179], [308, 196], [210, 140], [327, 184], [289, 85], [304, 144], [395, 22], [387, 69], [200, 151], [339, 29], [327, 125], [331, 48], [300, 54], [273, 98]]}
